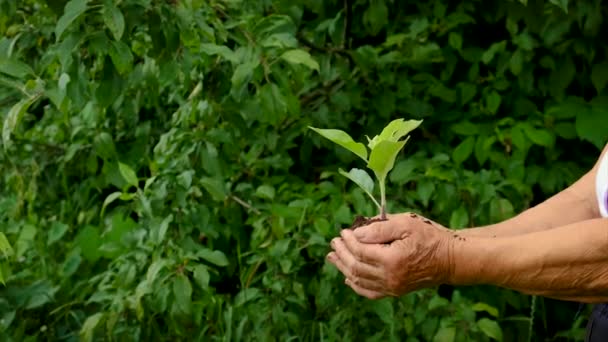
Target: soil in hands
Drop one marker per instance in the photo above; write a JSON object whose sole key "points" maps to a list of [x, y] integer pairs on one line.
{"points": [[361, 221]]}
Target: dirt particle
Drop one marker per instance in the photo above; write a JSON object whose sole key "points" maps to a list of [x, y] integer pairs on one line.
{"points": [[361, 221]]}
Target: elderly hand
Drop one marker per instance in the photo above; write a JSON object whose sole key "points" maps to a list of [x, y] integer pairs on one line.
{"points": [[390, 258]]}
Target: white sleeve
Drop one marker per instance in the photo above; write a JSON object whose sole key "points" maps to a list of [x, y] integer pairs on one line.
{"points": [[601, 186]]}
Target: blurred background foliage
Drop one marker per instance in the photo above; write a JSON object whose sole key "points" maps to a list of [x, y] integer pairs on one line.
{"points": [[158, 181]]}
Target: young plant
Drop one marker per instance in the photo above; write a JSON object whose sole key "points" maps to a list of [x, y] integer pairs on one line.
{"points": [[383, 152]]}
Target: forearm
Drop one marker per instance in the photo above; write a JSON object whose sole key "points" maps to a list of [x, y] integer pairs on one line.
{"points": [[569, 262], [574, 204]]}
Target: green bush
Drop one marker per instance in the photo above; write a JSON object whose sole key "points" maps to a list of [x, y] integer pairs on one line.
{"points": [[159, 180]]}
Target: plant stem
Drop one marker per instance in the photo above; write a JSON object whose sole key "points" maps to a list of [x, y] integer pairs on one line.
{"points": [[374, 200], [382, 200]]}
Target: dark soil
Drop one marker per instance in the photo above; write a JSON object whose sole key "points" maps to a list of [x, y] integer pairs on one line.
{"points": [[361, 221]]}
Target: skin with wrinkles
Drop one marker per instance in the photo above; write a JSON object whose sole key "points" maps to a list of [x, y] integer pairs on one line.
{"points": [[366, 262], [556, 249]]}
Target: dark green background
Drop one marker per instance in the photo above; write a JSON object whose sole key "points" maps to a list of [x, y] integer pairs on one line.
{"points": [[158, 180]]}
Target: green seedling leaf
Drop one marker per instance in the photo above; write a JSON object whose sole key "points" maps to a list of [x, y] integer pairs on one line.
{"points": [[394, 131], [382, 158], [343, 139], [363, 180]]}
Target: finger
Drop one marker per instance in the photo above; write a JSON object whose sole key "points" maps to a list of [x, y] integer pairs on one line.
{"points": [[379, 232], [367, 253], [356, 267], [364, 292], [370, 285]]}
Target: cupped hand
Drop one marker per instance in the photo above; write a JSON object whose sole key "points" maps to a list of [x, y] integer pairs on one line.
{"points": [[405, 253]]}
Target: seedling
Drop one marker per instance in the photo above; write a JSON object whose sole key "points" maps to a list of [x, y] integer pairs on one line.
{"points": [[383, 152]]}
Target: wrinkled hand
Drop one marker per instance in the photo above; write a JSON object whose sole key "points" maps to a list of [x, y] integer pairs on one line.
{"points": [[391, 258]]}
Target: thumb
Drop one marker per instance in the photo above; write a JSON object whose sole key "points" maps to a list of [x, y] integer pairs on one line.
{"points": [[378, 232]]}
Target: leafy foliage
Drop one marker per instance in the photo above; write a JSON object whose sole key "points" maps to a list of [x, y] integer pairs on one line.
{"points": [[159, 180]]}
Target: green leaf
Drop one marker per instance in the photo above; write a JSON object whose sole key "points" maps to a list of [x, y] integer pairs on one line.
{"points": [[465, 128], [111, 198], [540, 137], [15, 68], [384, 309], [56, 232], [343, 139], [599, 76], [464, 150], [467, 92], [298, 56], [121, 56], [89, 241], [215, 257], [128, 174], [71, 264], [265, 191], [215, 187], [591, 126], [501, 209], [394, 131], [89, 325], [361, 178], [104, 146], [182, 290], [382, 158], [73, 10], [455, 40], [201, 276], [158, 234], [445, 334], [563, 4], [241, 77], [485, 307], [220, 50], [495, 48], [114, 20], [517, 62], [490, 328], [13, 118], [459, 218], [493, 100], [5, 246], [376, 16], [425, 190]]}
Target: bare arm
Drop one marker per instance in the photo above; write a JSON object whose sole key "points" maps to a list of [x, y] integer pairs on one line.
{"points": [[575, 204], [567, 263]]}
